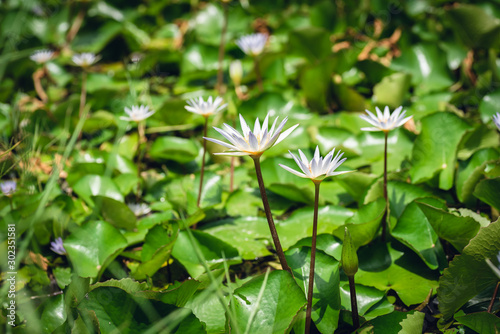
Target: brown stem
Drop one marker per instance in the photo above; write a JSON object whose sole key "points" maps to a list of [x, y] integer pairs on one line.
{"points": [[37, 77], [354, 303], [385, 218], [492, 302], [221, 49], [203, 161], [313, 258], [269, 216], [257, 74], [75, 27]]}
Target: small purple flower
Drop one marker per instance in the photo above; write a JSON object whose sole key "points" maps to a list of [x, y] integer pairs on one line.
{"points": [[8, 187], [57, 246]]}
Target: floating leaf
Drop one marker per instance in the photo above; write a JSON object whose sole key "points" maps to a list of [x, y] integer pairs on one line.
{"points": [[211, 248], [487, 191], [453, 228], [436, 148], [270, 317], [96, 185], [174, 148], [468, 274], [116, 213], [93, 246], [326, 294]]}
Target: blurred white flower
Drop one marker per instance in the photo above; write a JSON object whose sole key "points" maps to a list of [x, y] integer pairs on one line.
{"points": [[252, 143], [137, 113], [57, 246], [207, 108], [8, 187], [253, 44], [139, 209], [385, 121], [496, 120], [236, 71], [318, 168], [42, 56], [85, 59]]}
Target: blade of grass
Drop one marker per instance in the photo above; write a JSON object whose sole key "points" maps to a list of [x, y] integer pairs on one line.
{"points": [[259, 299]]}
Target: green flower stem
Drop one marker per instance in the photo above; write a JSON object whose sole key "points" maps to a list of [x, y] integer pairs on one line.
{"points": [[202, 173], [269, 216], [257, 74], [385, 218], [142, 140], [231, 176], [221, 48], [354, 303], [83, 97], [493, 298], [313, 258]]}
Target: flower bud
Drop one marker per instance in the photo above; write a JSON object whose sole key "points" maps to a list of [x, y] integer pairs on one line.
{"points": [[349, 257], [236, 72]]}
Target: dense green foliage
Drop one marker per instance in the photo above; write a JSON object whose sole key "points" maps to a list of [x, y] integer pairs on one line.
{"points": [[179, 268]]}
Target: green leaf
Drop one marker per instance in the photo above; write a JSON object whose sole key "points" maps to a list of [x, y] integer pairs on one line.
{"points": [[487, 191], [326, 294], [199, 57], [54, 314], [426, 64], [126, 284], [96, 185], [384, 267], [211, 248], [207, 307], [436, 147], [489, 105], [415, 231], [208, 25], [453, 228], [392, 90], [116, 213], [156, 250], [286, 184], [174, 148], [349, 257], [390, 323], [270, 316], [93, 246], [482, 322], [470, 172], [413, 323], [312, 43], [249, 235], [119, 312], [476, 28], [63, 276], [366, 297], [479, 138], [299, 224], [365, 223], [468, 274]]}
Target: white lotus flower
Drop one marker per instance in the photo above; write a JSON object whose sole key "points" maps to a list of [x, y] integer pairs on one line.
{"points": [[42, 56], [236, 71], [318, 168], [385, 121], [139, 209], [57, 246], [496, 120], [253, 44], [8, 187], [137, 113], [85, 59], [207, 108], [252, 143]]}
